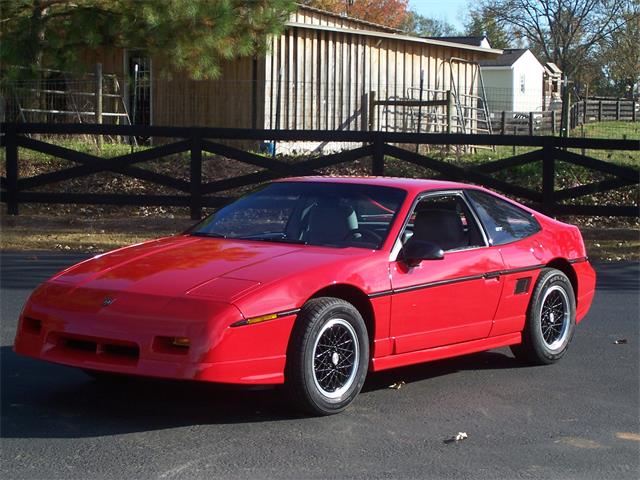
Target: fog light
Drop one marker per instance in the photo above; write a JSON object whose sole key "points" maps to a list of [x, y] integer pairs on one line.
{"points": [[181, 342]]}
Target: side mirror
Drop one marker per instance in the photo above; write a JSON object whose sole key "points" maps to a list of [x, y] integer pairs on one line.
{"points": [[415, 251]]}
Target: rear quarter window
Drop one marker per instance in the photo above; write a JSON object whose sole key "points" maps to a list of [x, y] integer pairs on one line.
{"points": [[503, 221]]}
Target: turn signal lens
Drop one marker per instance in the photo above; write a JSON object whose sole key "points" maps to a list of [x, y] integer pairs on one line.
{"points": [[181, 342], [262, 318]]}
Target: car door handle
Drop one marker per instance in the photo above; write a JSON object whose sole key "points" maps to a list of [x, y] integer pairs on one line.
{"points": [[491, 275]]}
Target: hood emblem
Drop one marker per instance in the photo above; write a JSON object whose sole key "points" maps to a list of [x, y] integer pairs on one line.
{"points": [[108, 301]]}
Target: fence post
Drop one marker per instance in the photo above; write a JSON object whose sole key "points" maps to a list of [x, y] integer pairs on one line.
{"points": [[364, 125], [618, 109], [195, 201], [554, 126], [531, 124], [599, 110], [449, 110], [633, 111], [420, 107], [11, 158], [566, 109], [585, 106], [275, 143], [548, 177], [98, 103], [372, 110], [377, 166], [503, 119]]}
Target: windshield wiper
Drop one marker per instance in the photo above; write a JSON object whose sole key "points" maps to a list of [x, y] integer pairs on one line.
{"points": [[273, 239], [210, 234]]}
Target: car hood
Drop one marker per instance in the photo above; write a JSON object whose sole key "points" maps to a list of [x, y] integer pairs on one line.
{"points": [[175, 266]]}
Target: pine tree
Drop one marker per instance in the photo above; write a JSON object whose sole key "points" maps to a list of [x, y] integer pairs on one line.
{"points": [[192, 35]]}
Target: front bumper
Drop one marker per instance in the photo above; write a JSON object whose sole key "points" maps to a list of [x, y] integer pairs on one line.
{"points": [[133, 342]]}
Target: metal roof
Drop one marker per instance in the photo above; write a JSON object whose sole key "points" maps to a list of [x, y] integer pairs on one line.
{"points": [[348, 18], [467, 40], [508, 58], [394, 36]]}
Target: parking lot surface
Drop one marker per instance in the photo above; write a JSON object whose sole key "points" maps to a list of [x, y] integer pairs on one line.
{"points": [[576, 419]]}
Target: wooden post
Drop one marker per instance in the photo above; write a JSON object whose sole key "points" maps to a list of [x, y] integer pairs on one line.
{"points": [[548, 178], [503, 118], [531, 124], [372, 110], [449, 111], [278, 98], [377, 166], [599, 110], [134, 110], [420, 106], [618, 109], [115, 89], [515, 132], [633, 111], [585, 106], [254, 93], [195, 181], [566, 106], [554, 125], [365, 112], [11, 165], [98, 101]]}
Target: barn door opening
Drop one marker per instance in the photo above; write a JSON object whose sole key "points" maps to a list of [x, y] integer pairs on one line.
{"points": [[138, 68]]}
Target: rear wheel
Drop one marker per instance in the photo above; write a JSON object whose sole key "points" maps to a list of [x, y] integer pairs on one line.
{"points": [[551, 320], [328, 356]]}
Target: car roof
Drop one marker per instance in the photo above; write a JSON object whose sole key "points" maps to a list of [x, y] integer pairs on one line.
{"points": [[414, 185]]}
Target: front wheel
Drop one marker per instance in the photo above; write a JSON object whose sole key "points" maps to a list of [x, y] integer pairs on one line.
{"points": [[551, 320], [328, 356]]}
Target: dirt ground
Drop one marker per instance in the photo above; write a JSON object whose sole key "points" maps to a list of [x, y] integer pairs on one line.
{"points": [[96, 234]]}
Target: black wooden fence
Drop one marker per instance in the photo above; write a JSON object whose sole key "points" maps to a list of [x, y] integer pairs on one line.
{"points": [[379, 146]]}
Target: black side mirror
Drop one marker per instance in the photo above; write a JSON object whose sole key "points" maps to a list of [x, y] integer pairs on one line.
{"points": [[415, 251]]}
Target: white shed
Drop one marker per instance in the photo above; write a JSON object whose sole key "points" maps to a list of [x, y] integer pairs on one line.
{"points": [[513, 81]]}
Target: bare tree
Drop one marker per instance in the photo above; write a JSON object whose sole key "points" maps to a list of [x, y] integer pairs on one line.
{"points": [[621, 54], [561, 31]]}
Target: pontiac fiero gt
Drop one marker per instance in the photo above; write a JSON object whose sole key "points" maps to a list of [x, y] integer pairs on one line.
{"points": [[313, 282]]}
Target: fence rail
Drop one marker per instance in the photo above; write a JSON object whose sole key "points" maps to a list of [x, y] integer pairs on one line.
{"points": [[379, 146]]}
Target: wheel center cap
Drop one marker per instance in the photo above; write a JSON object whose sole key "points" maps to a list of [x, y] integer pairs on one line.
{"points": [[552, 318], [335, 358]]}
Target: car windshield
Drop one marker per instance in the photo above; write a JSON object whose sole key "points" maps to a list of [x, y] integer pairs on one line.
{"points": [[313, 213]]}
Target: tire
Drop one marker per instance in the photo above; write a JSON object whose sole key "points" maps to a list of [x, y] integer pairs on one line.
{"points": [[328, 356], [545, 338]]}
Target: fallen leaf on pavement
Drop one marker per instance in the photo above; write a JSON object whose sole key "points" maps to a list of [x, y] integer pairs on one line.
{"points": [[397, 385], [457, 438]]}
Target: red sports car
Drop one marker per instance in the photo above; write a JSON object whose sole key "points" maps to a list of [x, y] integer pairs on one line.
{"points": [[313, 282]]}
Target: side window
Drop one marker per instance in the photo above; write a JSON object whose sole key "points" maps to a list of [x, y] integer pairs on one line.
{"points": [[446, 221], [503, 221]]}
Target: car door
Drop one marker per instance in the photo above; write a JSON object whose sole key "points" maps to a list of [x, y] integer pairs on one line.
{"points": [[447, 301], [517, 234]]}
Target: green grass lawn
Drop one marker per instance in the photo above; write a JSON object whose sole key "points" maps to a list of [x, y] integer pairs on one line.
{"points": [[611, 129]]}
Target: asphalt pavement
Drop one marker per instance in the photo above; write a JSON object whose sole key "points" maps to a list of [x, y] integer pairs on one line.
{"points": [[576, 419]]}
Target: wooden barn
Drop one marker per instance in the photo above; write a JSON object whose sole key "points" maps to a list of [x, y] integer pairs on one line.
{"points": [[325, 71]]}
